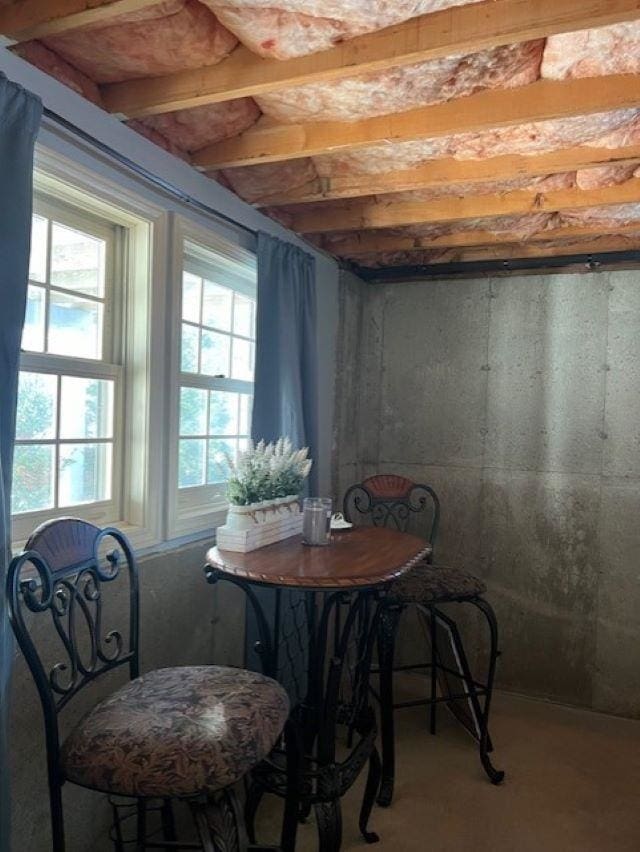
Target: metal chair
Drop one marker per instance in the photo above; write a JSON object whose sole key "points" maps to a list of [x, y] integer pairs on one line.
{"points": [[158, 738], [389, 500]]}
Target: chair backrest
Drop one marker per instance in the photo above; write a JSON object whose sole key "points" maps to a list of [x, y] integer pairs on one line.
{"points": [[63, 571], [387, 500]]}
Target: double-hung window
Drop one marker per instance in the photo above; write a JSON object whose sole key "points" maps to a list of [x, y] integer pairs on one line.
{"points": [[68, 447], [216, 361]]}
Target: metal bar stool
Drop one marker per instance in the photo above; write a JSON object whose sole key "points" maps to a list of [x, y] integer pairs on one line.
{"points": [[389, 500], [187, 733]]}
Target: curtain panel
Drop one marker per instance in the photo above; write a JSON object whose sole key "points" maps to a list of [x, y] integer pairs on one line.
{"points": [[286, 385], [285, 403], [20, 114]]}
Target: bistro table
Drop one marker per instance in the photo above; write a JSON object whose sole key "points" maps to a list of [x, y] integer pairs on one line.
{"points": [[319, 643]]}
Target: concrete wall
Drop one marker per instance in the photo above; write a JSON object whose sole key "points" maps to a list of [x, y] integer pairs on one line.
{"points": [[518, 399]]}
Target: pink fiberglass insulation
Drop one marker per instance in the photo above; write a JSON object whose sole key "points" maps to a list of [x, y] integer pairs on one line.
{"points": [[550, 183], [190, 129], [604, 176], [610, 216], [158, 139], [285, 28], [401, 89], [48, 61], [528, 139], [257, 183], [521, 227], [189, 38], [593, 53]]}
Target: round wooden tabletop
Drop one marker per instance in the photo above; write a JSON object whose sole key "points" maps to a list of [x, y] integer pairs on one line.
{"points": [[362, 557]]}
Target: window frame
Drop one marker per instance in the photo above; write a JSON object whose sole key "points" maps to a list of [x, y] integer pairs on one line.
{"points": [[201, 508], [139, 323], [108, 366]]}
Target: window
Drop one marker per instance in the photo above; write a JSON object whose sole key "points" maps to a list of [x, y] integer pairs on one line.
{"points": [[67, 443], [216, 360]]}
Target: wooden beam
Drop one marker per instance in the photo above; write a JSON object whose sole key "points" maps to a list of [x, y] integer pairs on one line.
{"points": [[27, 19], [458, 30], [269, 142], [368, 242], [449, 172], [360, 215], [514, 251]]}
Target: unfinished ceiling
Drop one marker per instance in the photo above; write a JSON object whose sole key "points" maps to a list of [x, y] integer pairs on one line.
{"points": [[389, 133]]}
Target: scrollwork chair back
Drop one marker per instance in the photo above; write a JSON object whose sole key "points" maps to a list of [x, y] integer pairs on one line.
{"points": [[63, 571], [387, 500]]}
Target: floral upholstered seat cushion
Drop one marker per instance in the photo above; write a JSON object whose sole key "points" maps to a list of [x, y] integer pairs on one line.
{"points": [[177, 732], [429, 583]]}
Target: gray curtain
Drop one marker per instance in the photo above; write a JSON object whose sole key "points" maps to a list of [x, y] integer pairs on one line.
{"points": [[285, 403], [20, 114], [285, 398]]}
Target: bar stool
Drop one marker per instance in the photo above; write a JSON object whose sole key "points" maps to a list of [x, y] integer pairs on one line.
{"points": [[187, 733], [390, 500]]}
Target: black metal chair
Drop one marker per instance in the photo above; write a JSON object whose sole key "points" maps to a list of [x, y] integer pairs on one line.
{"points": [[389, 500], [186, 733]]}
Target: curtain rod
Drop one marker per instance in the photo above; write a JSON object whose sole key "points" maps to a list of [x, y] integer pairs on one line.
{"points": [[152, 178], [469, 268]]}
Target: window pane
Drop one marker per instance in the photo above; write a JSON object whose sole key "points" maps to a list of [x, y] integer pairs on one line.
{"points": [[36, 415], [220, 451], [189, 349], [33, 331], [77, 260], [246, 407], [243, 316], [191, 459], [223, 413], [190, 297], [86, 408], [193, 411], [216, 306], [75, 326], [38, 256], [84, 473], [242, 365], [33, 477], [215, 354]]}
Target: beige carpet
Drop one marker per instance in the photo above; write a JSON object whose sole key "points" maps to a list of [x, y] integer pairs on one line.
{"points": [[573, 783]]}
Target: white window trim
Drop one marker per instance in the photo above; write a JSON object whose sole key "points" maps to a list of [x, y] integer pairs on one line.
{"points": [[198, 510], [141, 515]]}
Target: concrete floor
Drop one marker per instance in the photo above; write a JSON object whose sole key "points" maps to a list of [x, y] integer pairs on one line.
{"points": [[573, 783]]}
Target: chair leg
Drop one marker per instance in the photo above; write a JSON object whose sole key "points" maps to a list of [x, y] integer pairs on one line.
{"points": [[118, 840], [370, 790], [294, 758], [251, 805], [57, 818], [495, 775], [168, 821], [433, 638], [387, 630], [141, 824]]}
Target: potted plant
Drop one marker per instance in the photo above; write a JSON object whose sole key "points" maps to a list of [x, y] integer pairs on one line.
{"points": [[263, 490]]}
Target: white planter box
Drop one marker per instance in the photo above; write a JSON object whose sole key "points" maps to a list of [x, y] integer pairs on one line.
{"points": [[250, 527]]}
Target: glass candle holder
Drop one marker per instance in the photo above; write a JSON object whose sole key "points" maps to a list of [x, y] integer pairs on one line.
{"points": [[316, 521]]}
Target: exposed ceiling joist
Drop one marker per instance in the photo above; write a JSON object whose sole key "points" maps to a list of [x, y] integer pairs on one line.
{"points": [[510, 251], [28, 19], [457, 30], [269, 142], [371, 214], [449, 172], [368, 242]]}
